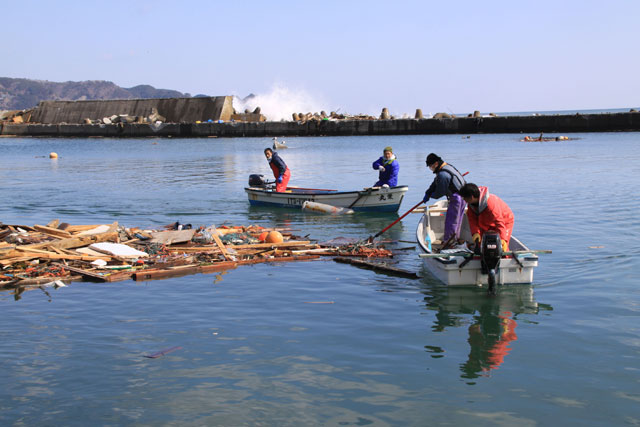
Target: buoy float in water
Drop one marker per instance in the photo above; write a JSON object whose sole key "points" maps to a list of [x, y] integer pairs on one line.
{"points": [[274, 237], [53, 155], [324, 208]]}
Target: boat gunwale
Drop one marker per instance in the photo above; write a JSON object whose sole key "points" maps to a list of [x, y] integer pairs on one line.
{"points": [[322, 192]]}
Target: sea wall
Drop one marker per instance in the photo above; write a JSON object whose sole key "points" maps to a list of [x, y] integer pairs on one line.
{"points": [[176, 110], [609, 122]]}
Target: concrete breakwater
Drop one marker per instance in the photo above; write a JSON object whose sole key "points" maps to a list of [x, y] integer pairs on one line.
{"points": [[605, 122]]}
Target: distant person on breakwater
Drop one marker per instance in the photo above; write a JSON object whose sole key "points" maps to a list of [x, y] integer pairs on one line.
{"points": [[280, 170], [388, 168], [447, 182], [487, 212]]}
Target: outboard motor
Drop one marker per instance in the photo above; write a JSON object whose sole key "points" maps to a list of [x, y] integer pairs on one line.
{"points": [[256, 180], [491, 252]]}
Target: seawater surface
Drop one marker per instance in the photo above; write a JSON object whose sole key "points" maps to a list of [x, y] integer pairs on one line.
{"points": [[322, 343]]}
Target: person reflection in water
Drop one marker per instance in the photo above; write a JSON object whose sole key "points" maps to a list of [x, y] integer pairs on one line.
{"points": [[489, 339]]}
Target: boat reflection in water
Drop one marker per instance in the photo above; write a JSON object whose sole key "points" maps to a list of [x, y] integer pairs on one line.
{"points": [[494, 320]]}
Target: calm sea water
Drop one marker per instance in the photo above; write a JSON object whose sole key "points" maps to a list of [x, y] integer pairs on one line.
{"points": [[321, 343]]}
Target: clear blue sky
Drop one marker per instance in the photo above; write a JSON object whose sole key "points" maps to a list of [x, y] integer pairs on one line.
{"points": [[358, 56]]}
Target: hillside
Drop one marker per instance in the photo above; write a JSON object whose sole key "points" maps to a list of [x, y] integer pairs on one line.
{"points": [[18, 94]]}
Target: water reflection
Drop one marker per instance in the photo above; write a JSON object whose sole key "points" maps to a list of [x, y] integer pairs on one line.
{"points": [[492, 322]]}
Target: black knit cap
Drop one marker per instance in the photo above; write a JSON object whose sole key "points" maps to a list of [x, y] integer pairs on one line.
{"points": [[432, 158]]}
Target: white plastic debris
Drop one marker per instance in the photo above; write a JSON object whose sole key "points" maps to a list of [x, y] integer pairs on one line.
{"points": [[99, 263], [118, 249]]}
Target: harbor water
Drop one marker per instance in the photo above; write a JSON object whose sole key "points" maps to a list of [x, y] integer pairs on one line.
{"points": [[318, 342]]}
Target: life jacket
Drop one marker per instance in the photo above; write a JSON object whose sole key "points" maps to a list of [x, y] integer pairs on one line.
{"points": [[457, 180], [388, 162]]}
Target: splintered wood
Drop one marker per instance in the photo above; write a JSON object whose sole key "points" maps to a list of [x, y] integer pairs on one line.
{"points": [[56, 253]]}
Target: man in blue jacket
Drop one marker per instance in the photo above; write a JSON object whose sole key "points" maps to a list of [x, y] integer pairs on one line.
{"points": [[388, 168], [447, 182]]}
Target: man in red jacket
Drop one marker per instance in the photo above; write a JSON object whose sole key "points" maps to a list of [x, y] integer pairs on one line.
{"points": [[487, 212]]}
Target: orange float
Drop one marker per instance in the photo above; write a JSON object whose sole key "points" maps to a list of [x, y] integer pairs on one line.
{"points": [[263, 236], [274, 237]]}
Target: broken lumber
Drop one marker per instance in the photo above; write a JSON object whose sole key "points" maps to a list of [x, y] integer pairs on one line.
{"points": [[378, 267]]}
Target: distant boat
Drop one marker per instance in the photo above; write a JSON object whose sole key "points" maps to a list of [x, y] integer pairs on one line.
{"points": [[278, 144]]}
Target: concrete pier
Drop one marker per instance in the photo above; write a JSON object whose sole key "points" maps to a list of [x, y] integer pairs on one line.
{"points": [[174, 110], [606, 122]]}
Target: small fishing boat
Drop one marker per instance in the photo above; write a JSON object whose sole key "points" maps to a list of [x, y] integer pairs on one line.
{"points": [[460, 266], [373, 199], [279, 144]]}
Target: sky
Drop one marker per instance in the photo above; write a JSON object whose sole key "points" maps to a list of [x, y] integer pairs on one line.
{"points": [[347, 56]]}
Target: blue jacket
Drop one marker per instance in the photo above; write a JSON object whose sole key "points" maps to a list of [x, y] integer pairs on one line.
{"points": [[390, 174]]}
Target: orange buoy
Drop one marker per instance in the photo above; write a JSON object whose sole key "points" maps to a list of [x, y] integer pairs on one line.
{"points": [[262, 237], [53, 155], [274, 237]]}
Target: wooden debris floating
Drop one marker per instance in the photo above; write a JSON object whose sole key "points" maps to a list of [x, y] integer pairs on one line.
{"points": [[380, 267], [61, 253]]}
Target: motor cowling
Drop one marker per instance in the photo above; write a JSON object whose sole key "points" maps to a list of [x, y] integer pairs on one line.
{"points": [[256, 180], [491, 253]]}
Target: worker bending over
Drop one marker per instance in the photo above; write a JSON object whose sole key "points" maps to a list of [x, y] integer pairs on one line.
{"points": [[447, 182], [487, 212], [280, 170]]}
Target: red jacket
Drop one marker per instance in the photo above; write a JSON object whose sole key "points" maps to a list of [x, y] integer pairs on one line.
{"points": [[491, 214]]}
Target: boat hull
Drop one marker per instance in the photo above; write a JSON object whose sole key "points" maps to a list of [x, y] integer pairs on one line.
{"points": [[376, 199], [448, 270]]}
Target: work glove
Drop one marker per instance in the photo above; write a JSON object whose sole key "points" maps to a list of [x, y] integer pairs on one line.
{"points": [[279, 180], [476, 238], [381, 168], [426, 198], [505, 246]]}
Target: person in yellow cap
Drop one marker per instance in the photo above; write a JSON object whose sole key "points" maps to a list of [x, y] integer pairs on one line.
{"points": [[388, 168]]}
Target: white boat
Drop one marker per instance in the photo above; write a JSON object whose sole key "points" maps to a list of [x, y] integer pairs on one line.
{"points": [[279, 144], [374, 199], [465, 269]]}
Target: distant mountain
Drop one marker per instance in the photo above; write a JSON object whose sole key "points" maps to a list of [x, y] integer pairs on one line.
{"points": [[19, 94]]}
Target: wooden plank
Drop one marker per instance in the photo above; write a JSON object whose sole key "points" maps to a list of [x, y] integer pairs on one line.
{"points": [[157, 274], [173, 236], [31, 253], [279, 259], [85, 273], [52, 231], [377, 267], [211, 248], [6, 262], [76, 242], [78, 228], [118, 276], [54, 223], [273, 245], [38, 251], [216, 239]]}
